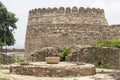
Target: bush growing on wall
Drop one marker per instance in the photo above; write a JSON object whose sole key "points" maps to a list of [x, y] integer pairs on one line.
{"points": [[65, 52], [108, 43]]}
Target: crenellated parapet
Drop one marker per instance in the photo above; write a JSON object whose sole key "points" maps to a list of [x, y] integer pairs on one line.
{"points": [[65, 10], [67, 15]]}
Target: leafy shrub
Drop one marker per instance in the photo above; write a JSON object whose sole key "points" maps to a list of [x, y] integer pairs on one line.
{"points": [[65, 52], [108, 43]]}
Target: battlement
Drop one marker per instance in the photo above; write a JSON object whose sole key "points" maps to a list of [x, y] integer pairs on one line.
{"points": [[67, 15], [67, 10]]}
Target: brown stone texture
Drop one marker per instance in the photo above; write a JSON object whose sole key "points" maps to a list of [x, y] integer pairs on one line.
{"points": [[112, 76], [52, 60], [67, 16], [104, 57], [41, 69], [53, 27], [5, 59], [45, 52], [100, 56], [66, 35]]}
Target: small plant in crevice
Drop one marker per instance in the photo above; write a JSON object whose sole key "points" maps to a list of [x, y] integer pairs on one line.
{"points": [[65, 52]]}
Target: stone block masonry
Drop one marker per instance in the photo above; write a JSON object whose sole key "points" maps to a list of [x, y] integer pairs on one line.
{"points": [[53, 27], [63, 69], [101, 57], [67, 16], [104, 57]]}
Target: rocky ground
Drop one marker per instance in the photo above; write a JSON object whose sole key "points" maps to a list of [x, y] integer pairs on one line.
{"points": [[102, 74]]}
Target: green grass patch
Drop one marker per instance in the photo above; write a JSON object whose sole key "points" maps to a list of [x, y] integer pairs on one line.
{"points": [[106, 71], [107, 43], [4, 79]]}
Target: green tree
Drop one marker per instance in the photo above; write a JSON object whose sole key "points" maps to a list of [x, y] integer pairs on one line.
{"points": [[7, 26]]}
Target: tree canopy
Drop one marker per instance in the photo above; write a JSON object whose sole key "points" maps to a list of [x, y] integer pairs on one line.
{"points": [[7, 26]]}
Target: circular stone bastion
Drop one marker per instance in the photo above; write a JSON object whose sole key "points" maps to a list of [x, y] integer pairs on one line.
{"points": [[62, 69]]}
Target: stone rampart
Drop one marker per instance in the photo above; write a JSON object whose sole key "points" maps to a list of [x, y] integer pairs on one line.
{"points": [[67, 16], [62, 27], [65, 10]]}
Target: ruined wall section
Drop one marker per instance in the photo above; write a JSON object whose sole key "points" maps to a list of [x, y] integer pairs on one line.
{"points": [[100, 56], [65, 27], [61, 35], [67, 16], [52, 35], [114, 31]]}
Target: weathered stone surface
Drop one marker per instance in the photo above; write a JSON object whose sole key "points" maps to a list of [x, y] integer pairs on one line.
{"points": [[52, 60], [104, 57], [58, 15], [115, 75], [45, 52], [24, 63], [5, 59], [112, 76], [62, 69], [66, 27], [100, 56]]}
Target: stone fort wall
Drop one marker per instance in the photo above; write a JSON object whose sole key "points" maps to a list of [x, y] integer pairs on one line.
{"points": [[67, 16], [62, 35], [66, 27]]}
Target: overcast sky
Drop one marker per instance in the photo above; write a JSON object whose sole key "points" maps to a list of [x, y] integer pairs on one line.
{"points": [[21, 8]]}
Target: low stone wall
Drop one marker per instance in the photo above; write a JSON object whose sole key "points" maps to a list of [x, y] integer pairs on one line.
{"points": [[46, 52], [5, 59], [41, 69], [101, 57]]}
